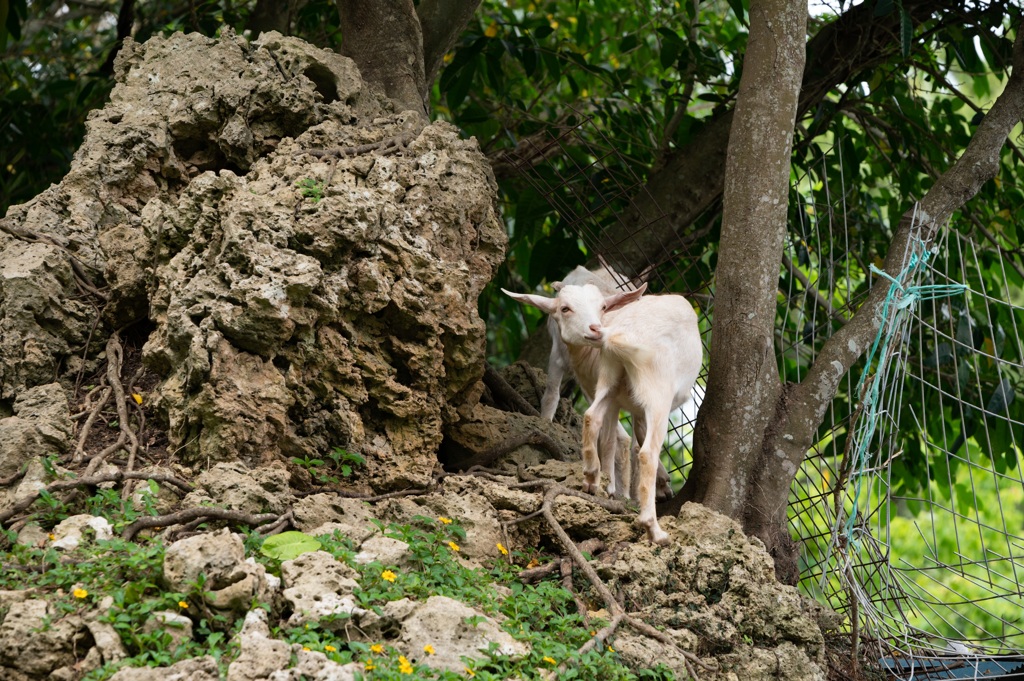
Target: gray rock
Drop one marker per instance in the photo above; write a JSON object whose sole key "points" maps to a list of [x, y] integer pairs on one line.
{"points": [[175, 624], [260, 655], [316, 585], [441, 622], [235, 486], [385, 550], [230, 582], [41, 425], [194, 669], [33, 640], [72, 531], [326, 513]]}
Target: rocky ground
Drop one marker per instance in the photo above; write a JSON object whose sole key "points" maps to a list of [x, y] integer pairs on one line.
{"points": [[469, 578]]}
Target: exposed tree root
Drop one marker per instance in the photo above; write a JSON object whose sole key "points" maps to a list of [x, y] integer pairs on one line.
{"points": [[618, 615], [505, 394], [62, 485], [201, 512]]}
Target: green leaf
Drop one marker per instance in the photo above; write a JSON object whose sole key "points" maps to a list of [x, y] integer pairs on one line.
{"points": [[906, 31], [739, 10], [289, 545], [883, 7]]}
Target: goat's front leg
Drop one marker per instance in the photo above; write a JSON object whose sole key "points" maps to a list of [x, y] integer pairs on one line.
{"points": [[657, 427], [602, 408]]}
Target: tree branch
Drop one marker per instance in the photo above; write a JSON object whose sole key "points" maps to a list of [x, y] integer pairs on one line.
{"points": [[843, 51], [979, 163]]}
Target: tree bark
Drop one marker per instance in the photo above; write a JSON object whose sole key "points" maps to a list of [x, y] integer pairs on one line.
{"points": [[400, 45], [743, 383], [693, 176], [384, 39]]}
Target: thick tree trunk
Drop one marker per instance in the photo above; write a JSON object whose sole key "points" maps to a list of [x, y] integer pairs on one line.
{"points": [[743, 384], [400, 45]]}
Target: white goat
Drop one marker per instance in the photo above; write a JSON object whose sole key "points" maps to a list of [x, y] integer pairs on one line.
{"points": [[583, 360], [648, 360]]}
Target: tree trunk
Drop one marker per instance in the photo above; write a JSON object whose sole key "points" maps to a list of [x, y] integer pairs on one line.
{"points": [[743, 384], [400, 45]]}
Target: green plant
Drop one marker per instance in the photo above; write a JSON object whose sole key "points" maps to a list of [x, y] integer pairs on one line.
{"points": [[339, 462], [311, 189]]}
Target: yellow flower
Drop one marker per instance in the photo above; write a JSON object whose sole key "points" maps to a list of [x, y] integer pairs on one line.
{"points": [[449, 57], [503, 550], [492, 30], [183, 605], [377, 648], [445, 521], [306, 648], [470, 672], [330, 649], [51, 536], [388, 576], [404, 666], [369, 666], [453, 546], [549, 660], [428, 649], [532, 564], [610, 649], [80, 593], [137, 397]]}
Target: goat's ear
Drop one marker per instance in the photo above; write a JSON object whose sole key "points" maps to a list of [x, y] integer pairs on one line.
{"points": [[622, 298], [540, 302], [557, 285]]}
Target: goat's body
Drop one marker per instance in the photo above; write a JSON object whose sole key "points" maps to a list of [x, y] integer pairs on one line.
{"points": [[650, 356]]}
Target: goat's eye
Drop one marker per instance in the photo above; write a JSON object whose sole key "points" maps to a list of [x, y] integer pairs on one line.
{"points": [[566, 310]]}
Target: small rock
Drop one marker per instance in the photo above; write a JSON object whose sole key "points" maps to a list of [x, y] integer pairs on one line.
{"points": [[35, 641], [70, 532], [261, 655], [385, 550], [176, 625], [316, 585], [193, 669], [441, 622]]}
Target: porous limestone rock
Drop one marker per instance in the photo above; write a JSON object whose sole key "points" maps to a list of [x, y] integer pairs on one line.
{"points": [[716, 589], [193, 669], [454, 630], [326, 513], [385, 550], [217, 560], [299, 302], [234, 485], [35, 641], [40, 426], [316, 585], [174, 624]]}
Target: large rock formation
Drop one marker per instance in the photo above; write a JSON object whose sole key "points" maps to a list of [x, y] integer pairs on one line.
{"points": [[291, 301]]}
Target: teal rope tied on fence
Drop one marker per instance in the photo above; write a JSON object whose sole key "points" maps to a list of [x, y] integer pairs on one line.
{"points": [[900, 299]]}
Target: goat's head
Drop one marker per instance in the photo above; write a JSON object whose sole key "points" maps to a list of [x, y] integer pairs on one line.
{"points": [[579, 310]]}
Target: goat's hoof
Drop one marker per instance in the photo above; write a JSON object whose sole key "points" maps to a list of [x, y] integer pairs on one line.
{"points": [[659, 536]]}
